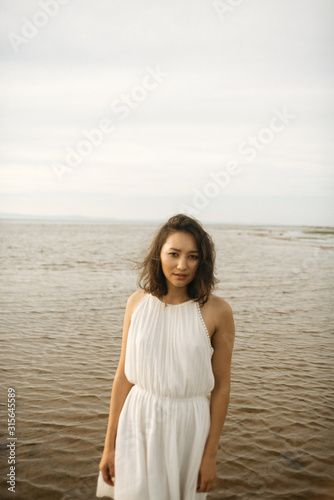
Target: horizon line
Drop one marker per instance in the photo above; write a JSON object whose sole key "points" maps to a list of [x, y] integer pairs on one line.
{"points": [[87, 218]]}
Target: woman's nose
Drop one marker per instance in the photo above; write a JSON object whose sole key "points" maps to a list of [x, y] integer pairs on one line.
{"points": [[182, 263]]}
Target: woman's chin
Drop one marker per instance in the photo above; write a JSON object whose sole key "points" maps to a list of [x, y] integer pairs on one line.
{"points": [[180, 283]]}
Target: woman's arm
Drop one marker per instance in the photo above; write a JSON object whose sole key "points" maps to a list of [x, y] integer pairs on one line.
{"points": [[120, 390], [222, 342]]}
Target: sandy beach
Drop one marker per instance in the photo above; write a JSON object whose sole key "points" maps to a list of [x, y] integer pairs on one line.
{"points": [[64, 288]]}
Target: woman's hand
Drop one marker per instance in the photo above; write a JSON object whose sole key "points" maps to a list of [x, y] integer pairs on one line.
{"points": [[107, 466], [206, 474]]}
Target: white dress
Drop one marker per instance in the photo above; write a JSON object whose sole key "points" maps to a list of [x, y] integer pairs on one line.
{"points": [[165, 420]]}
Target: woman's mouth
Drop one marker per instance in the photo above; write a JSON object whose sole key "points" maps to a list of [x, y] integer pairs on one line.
{"points": [[180, 276]]}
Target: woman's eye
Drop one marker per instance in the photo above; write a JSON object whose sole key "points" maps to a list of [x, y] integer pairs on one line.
{"points": [[174, 254]]}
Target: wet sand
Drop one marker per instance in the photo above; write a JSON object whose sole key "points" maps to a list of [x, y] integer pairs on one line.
{"points": [[63, 292]]}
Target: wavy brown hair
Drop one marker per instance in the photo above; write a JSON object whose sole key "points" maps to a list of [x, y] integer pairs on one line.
{"points": [[152, 278]]}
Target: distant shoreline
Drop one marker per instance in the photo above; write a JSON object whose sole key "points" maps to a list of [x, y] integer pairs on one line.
{"points": [[86, 219]]}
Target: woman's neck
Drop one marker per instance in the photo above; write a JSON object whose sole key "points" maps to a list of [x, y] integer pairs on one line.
{"points": [[176, 295]]}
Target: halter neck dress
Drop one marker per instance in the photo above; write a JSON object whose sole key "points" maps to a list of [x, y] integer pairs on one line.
{"points": [[165, 420]]}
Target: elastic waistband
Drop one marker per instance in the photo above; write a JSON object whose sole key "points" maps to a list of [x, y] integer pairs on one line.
{"points": [[168, 398]]}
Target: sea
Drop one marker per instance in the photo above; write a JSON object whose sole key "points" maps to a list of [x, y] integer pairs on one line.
{"points": [[64, 287]]}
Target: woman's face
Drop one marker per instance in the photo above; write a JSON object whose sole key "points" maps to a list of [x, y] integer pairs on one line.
{"points": [[179, 258]]}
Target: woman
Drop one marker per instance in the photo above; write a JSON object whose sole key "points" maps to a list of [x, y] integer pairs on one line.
{"points": [[163, 429]]}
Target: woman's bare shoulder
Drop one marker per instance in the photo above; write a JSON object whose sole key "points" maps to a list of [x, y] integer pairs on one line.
{"points": [[219, 308], [222, 316], [218, 304], [134, 299]]}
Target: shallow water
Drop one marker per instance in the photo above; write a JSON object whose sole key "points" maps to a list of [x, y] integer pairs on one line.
{"points": [[63, 292]]}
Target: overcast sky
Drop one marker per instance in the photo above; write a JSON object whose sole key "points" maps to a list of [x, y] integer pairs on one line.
{"points": [[139, 110]]}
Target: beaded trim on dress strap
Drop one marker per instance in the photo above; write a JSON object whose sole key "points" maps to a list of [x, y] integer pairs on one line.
{"points": [[205, 328], [186, 302]]}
